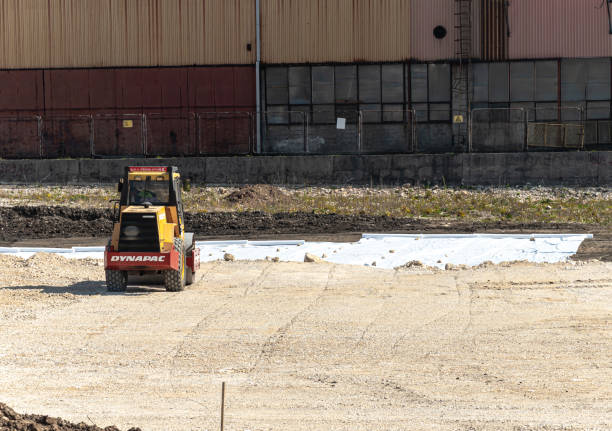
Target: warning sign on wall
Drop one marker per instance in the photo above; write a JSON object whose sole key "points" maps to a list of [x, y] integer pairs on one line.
{"points": [[128, 124], [458, 119]]}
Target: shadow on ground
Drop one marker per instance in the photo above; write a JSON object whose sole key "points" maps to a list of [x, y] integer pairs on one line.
{"points": [[89, 288]]}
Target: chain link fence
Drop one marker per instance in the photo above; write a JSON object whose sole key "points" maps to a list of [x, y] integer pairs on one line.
{"points": [[225, 133], [340, 131], [118, 135], [494, 130], [284, 132], [20, 137], [67, 136]]}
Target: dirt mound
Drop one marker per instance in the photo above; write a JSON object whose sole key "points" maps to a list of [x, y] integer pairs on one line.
{"points": [[12, 421], [254, 193]]}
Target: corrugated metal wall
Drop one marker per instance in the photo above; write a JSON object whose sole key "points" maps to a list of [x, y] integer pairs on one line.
{"points": [[559, 28], [426, 15], [494, 29], [100, 33], [316, 31]]}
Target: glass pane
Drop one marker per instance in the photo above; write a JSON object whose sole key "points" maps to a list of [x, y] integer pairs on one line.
{"points": [[371, 113], [299, 85], [546, 81], [498, 82], [418, 83], [439, 112], [546, 112], [573, 80], [393, 83], [598, 84], [481, 82], [421, 112], [439, 82], [572, 111], [598, 110], [323, 114], [522, 81], [323, 84], [277, 115], [276, 85], [393, 113], [369, 84], [528, 110], [299, 114], [350, 112], [346, 84]]}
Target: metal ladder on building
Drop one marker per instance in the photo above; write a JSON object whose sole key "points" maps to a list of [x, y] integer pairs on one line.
{"points": [[461, 83]]}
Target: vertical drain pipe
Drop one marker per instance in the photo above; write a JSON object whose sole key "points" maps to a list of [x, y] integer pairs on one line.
{"points": [[258, 74]]}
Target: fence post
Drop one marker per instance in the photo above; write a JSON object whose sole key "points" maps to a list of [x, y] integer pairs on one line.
{"points": [[526, 134], [91, 137], [304, 130], [470, 119], [145, 134], [40, 136], [359, 130]]}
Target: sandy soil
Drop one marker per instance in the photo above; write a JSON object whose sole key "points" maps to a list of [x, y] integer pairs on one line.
{"points": [[312, 346]]}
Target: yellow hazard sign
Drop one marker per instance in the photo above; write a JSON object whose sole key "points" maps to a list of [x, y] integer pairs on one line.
{"points": [[128, 124], [458, 119]]}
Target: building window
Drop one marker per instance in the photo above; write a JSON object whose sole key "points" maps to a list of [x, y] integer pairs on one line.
{"points": [[430, 88]]}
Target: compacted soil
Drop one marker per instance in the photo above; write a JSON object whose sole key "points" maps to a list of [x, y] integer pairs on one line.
{"points": [[308, 346]]}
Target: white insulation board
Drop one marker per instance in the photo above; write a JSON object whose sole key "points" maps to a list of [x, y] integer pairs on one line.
{"points": [[387, 250]]}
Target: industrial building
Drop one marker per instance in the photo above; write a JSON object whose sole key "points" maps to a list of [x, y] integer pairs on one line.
{"points": [[200, 77]]}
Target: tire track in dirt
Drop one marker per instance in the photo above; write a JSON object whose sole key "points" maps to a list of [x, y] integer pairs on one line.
{"points": [[274, 340]]}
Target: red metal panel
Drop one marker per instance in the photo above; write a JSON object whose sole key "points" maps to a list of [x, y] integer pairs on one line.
{"points": [[129, 89], [223, 78], [164, 88], [21, 90], [67, 89], [244, 85], [558, 28], [222, 88], [201, 87], [102, 89]]}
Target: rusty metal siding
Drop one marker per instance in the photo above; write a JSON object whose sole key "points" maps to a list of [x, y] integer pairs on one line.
{"points": [[558, 28], [313, 31], [494, 30], [103, 33]]}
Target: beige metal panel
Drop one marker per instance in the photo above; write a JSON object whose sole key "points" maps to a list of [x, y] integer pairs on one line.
{"points": [[559, 28], [310, 31], [92, 33]]}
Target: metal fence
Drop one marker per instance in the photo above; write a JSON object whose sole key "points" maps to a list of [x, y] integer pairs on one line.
{"points": [[345, 131], [555, 128], [339, 132], [498, 130]]}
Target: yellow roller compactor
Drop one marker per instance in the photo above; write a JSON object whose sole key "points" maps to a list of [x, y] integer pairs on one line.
{"points": [[149, 239]]}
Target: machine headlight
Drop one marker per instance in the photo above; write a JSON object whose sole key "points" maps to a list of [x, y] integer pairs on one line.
{"points": [[131, 231]]}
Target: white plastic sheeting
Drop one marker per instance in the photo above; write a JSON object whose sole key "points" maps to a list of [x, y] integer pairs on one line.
{"points": [[387, 250]]}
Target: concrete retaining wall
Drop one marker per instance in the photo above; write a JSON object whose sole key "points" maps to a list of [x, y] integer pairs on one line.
{"points": [[568, 168]]}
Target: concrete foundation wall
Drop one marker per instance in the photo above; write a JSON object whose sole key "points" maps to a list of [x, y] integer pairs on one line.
{"points": [[564, 168]]}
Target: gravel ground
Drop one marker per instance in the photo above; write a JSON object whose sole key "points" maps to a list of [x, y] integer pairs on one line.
{"points": [[312, 346]]}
